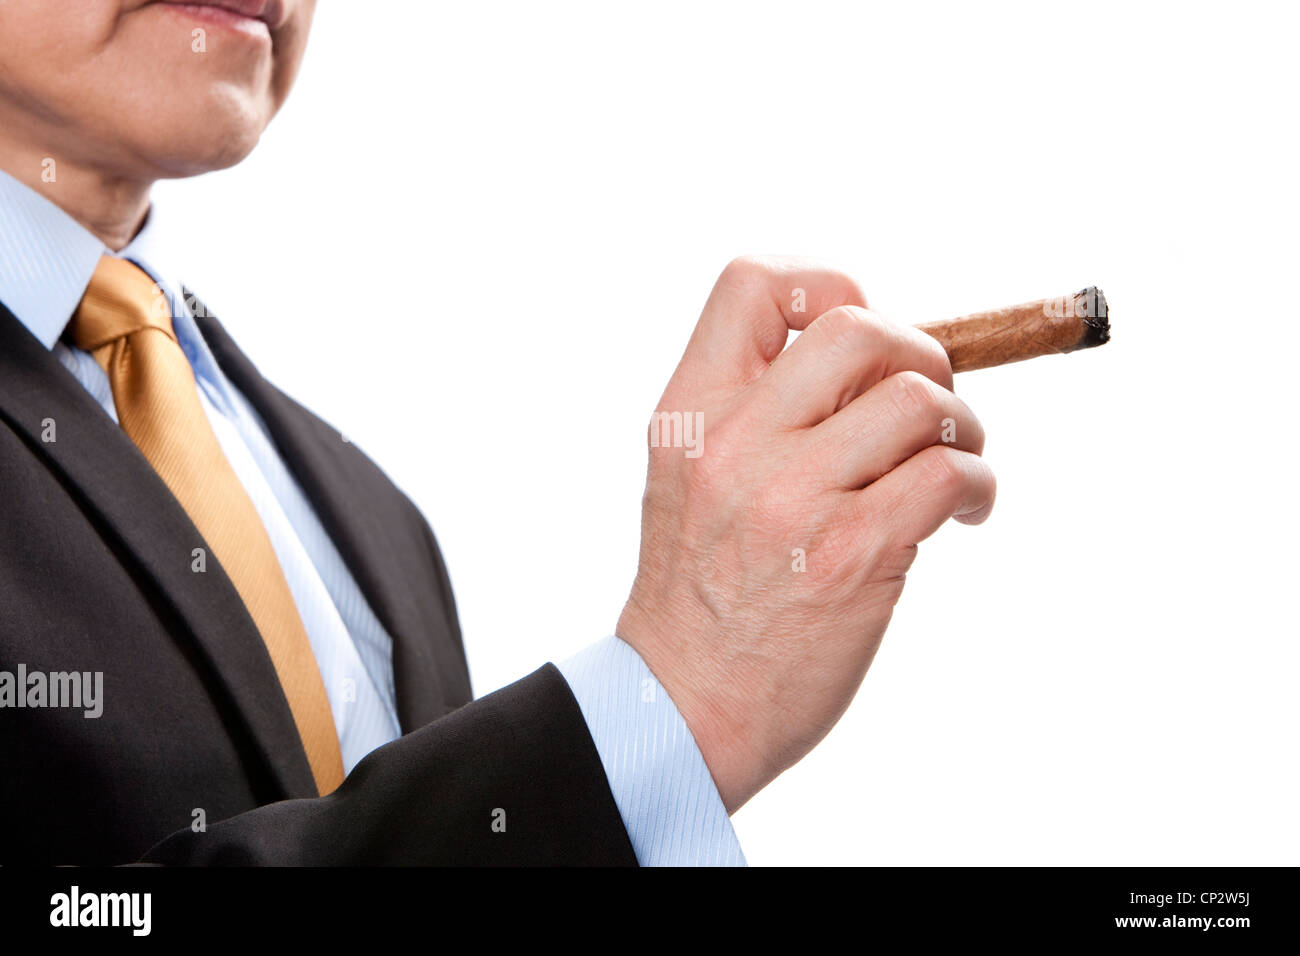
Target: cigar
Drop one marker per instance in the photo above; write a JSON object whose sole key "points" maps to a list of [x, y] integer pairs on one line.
{"points": [[1045, 327]]}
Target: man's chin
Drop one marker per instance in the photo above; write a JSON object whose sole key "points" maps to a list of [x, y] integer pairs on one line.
{"points": [[195, 159], [203, 138]]}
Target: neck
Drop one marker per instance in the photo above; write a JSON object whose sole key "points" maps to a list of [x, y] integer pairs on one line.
{"points": [[111, 207]]}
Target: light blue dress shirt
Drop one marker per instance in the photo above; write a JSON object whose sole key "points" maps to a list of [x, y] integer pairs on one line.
{"points": [[659, 780]]}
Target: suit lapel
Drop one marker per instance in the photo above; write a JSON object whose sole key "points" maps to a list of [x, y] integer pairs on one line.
{"points": [[134, 510], [333, 474]]}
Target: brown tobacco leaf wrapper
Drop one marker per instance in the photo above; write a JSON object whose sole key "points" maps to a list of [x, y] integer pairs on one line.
{"points": [[1045, 327]]}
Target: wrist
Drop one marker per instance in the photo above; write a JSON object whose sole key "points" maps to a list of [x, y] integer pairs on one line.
{"points": [[706, 698]]}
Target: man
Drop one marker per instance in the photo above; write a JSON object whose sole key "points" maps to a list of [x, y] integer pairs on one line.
{"points": [[225, 637]]}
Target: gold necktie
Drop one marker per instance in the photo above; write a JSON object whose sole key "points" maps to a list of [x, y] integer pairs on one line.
{"points": [[124, 321]]}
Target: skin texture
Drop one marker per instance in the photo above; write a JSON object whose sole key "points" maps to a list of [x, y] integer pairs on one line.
{"points": [[114, 92], [834, 446]]}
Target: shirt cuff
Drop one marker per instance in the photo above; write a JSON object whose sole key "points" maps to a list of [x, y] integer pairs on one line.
{"points": [[661, 784]]}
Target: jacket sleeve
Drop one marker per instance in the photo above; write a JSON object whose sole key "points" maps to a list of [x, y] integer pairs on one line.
{"points": [[510, 779]]}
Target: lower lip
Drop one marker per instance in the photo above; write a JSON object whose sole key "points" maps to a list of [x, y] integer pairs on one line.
{"points": [[221, 18]]}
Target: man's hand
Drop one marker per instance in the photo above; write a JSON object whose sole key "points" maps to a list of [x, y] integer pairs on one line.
{"points": [[779, 523]]}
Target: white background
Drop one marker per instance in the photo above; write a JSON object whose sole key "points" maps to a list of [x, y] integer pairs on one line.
{"points": [[479, 236]]}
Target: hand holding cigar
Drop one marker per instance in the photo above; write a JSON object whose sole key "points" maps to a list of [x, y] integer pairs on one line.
{"points": [[1044, 327], [776, 541]]}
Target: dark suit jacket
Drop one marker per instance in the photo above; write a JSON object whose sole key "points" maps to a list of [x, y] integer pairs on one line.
{"points": [[95, 575]]}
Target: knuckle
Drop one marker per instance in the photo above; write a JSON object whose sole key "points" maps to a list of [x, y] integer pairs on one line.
{"points": [[916, 397], [745, 271], [943, 471], [849, 327]]}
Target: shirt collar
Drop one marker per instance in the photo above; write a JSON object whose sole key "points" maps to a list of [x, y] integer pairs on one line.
{"points": [[47, 259]]}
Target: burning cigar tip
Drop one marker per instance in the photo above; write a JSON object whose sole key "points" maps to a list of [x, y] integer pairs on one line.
{"points": [[1096, 317]]}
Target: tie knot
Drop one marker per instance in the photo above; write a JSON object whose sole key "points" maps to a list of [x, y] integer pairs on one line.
{"points": [[120, 299]]}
